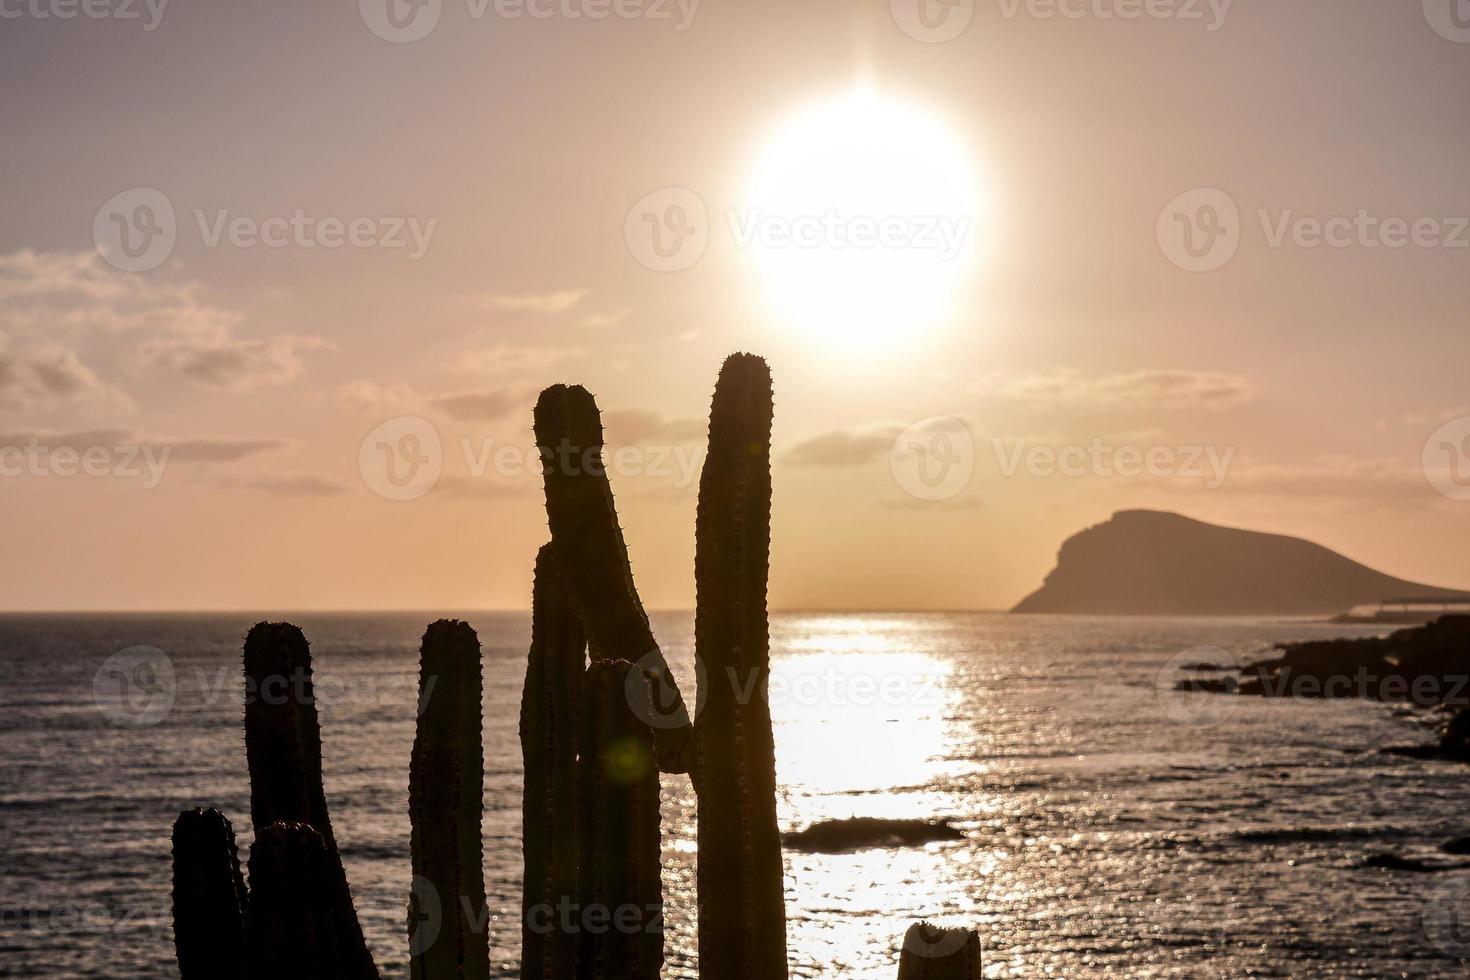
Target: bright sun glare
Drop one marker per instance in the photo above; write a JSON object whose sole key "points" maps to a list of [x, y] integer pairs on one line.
{"points": [[860, 214]]}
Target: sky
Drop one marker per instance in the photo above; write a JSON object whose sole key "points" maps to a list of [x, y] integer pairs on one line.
{"points": [[258, 261]]}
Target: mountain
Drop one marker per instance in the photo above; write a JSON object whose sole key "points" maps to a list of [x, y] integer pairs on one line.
{"points": [[1145, 562]]}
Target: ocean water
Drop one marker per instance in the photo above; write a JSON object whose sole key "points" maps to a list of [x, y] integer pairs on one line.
{"points": [[1113, 826]]}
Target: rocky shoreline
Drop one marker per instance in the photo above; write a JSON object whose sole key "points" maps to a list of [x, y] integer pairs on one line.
{"points": [[1427, 667]]}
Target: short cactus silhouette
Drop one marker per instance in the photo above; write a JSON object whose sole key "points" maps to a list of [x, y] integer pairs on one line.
{"points": [[934, 953], [445, 793], [209, 897], [620, 907]]}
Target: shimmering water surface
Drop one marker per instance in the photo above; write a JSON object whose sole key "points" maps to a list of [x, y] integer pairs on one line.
{"points": [[1114, 827]]}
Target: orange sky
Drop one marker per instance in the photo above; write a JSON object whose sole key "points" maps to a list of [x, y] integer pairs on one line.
{"points": [[1293, 388]]}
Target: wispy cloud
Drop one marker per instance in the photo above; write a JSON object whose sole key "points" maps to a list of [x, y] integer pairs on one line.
{"points": [[237, 365], [636, 426], [1151, 388], [476, 406], [544, 303], [843, 448]]}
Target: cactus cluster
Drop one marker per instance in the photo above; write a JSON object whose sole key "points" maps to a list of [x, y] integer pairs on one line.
{"points": [[601, 717]]}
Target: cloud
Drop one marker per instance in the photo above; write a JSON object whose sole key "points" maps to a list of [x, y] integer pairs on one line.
{"points": [[843, 448], [476, 406], [287, 485], [1331, 477], [504, 359], [369, 396], [1167, 389], [636, 426], [237, 365], [216, 450], [46, 376], [193, 450], [543, 303]]}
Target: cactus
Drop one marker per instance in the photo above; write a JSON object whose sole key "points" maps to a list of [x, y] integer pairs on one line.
{"points": [[933, 953], [593, 557], [295, 932], [446, 803], [549, 701], [209, 899], [620, 894], [742, 912], [283, 748]]}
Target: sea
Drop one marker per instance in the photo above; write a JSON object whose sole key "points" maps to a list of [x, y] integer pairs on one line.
{"points": [[1113, 826]]}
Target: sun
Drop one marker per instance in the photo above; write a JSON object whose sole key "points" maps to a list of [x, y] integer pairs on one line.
{"points": [[860, 218]]}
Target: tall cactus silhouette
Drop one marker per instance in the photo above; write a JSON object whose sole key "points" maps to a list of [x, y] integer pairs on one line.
{"points": [[590, 550], [209, 898], [742, 912], [446, 803], [549, 711], [620, 892]]}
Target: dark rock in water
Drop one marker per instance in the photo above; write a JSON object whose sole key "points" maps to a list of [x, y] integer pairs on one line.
{"points": [[1209, 685], [1457, 845], [1203, 668], [1392, 862], [1455, 742], [836, 836]]}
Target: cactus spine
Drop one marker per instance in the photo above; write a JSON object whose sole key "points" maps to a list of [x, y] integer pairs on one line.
{"points": [[593, 557], [620, 894], [742, 912], [209, 899], [549, 712], [446, 802]]}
